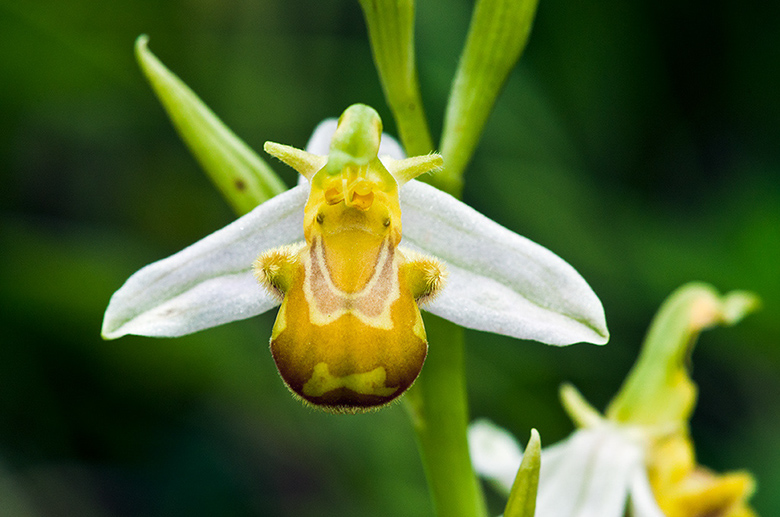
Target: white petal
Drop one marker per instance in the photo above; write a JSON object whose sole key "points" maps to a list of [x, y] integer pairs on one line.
{"points": [[389, 146], [495, 454], [210, 282], [588, 475], [642, 500], [561, 478], [319, 142], [499, 281]]}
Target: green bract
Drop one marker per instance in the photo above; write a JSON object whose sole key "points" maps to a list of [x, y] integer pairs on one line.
{"points": [[497, 36], [522, 496], [241, 175]]}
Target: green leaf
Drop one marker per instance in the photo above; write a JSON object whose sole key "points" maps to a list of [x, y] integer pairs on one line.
{"points": [[497, 36], [244, 179], [522, 498]]}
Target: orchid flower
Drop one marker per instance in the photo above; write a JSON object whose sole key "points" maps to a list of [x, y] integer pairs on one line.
{"points": [[594, 472], [348, 334], [639, 459], [497, 281]]}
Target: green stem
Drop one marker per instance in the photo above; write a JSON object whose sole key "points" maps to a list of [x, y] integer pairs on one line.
{"points": [[439, 411], [391, 32]]}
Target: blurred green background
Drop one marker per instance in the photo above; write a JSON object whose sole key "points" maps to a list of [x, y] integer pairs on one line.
{"points": [[638, 140]]}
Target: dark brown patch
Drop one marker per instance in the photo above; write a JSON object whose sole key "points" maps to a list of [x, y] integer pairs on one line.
{"points": [[240, 185]]}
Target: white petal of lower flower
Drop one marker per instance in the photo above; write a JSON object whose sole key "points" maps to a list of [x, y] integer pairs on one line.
{"points": [[642, 501], [499, 281], [561, 483], [319, 141], [589, 476], [210, 282], [593, 473], [495, 454]]}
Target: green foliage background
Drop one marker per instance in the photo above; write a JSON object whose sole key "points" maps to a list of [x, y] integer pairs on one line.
{"points": [[638, 140]]}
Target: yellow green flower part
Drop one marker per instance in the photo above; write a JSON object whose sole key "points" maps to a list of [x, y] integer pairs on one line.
{"points": [[659, 392]]}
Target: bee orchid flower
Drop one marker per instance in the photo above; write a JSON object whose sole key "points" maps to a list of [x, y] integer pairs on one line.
{"points": [[333, 234]]}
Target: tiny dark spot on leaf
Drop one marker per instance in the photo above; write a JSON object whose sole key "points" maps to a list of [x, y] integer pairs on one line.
{"points": [[240, 185]]}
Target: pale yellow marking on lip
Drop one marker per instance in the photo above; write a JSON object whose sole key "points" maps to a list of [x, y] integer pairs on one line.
{"points": [[382, 321], [419, 327], [367, 383], [281, 320]]}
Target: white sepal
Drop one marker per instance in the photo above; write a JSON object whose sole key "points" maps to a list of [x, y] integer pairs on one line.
{"points": [[210, 282], [499, 281], [589, 474], [319, 141], [641, 500]]}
